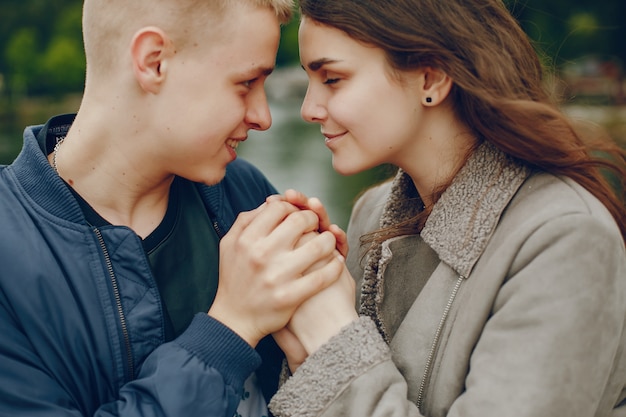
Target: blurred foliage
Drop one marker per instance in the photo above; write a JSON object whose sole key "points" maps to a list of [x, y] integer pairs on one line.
{"points": [[564, 30], [41, 48]]}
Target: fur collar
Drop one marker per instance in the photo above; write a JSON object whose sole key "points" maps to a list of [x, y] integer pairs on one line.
{"points": [[461, 222]]}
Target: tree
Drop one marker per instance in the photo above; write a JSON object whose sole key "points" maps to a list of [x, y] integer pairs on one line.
{"points": [[564, 30], [21, 60]]}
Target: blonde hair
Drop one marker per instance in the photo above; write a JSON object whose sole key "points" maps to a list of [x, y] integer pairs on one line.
{"points": [[108, 26]]}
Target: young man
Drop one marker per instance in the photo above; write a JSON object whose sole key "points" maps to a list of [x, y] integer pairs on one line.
{"points": [[110, 224]]}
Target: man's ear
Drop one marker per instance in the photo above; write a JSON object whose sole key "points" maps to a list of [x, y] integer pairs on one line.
{"points": [[150, 49], [436, 86]]}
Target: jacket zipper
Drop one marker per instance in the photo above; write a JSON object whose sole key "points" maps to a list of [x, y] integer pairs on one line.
{"points": [[217, 229], [431, 354], [118, 302]]}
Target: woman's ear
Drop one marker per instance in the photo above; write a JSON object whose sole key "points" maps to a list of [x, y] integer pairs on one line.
{"points": [[150, 49], [434, 87]]}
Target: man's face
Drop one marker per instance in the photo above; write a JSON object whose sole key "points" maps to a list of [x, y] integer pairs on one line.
{"points": [[215, 94]]}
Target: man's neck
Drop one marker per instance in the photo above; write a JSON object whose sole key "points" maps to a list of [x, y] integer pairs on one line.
{"points": [[110, 176]]}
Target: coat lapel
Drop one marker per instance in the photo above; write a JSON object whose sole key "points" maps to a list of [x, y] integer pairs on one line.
{"points": [[459, 226]]}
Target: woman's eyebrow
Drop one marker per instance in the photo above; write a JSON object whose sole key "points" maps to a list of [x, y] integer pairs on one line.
{"points": [[319, 63]]}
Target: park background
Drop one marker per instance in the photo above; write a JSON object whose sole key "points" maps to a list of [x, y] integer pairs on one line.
{"points": [[582, 44]]}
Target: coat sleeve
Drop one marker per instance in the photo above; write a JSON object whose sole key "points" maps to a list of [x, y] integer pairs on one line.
{"points": [[199, 374], [351, 375], [553, 344]]}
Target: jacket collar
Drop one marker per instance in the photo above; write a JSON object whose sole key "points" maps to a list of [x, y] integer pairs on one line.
{"points": [[463, 220], [41, 183]]}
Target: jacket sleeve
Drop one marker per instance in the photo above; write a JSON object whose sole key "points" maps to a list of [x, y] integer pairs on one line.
{"points": [[199, 374], [552, 345]]}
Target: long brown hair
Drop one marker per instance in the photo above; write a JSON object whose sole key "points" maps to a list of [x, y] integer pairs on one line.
{"points": [[498, 82]]}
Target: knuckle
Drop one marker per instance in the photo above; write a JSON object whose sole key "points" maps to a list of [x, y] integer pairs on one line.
{"points": [[304, 219], [258, 256], [243, 216], [316, 248], [281, 299], [287, 208]]}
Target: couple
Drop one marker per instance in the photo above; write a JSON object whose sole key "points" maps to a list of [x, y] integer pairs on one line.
{"points": [[490, 272]]}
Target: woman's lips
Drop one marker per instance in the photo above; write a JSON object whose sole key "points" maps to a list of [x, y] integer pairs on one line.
{"points": [[333, 137]]}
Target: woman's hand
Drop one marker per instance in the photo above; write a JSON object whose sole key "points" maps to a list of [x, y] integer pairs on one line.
{"points": [[294, 351], [323, 315]]}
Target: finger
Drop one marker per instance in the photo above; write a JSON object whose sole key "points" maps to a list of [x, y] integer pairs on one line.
{"points": [[342, 239], [244, 219], [296, 198], [274, 252], [306, 238], [267, 218], [248, 233], [294, 351], [300, 290], [302, 201], [316, 205], [288, 341], [275, 197], [313, 255], [313, 249], [291, 229]]}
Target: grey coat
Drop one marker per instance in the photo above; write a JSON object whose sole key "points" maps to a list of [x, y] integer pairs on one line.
{"points": [[511, 302]]}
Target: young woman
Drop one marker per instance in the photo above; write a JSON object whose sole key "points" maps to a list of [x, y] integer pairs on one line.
{"points": [[491, 272]]}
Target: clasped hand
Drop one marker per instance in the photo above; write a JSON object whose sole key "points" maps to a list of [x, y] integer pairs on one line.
{"points": [[268, 270]]}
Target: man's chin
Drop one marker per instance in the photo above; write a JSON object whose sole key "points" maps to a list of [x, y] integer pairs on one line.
{"points": [[209, 178], [214, 180]]}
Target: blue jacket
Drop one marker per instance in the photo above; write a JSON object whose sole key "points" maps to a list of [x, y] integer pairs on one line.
{"points": [[81, 326]]}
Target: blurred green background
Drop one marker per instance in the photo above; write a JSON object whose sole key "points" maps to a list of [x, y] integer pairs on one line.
{"points": [[581, 42]]}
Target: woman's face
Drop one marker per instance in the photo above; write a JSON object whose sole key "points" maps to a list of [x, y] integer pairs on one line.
{"points": [[366, 114]]}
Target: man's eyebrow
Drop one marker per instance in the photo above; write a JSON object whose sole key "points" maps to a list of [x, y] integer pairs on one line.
{"points": [[266, 70], [319, 63], [257, 72]]}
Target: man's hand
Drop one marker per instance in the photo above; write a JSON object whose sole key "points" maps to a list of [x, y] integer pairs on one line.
{"points": [[263, 276]]}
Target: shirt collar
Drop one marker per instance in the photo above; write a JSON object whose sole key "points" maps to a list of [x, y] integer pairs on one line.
{"points": [[54, 129]]}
